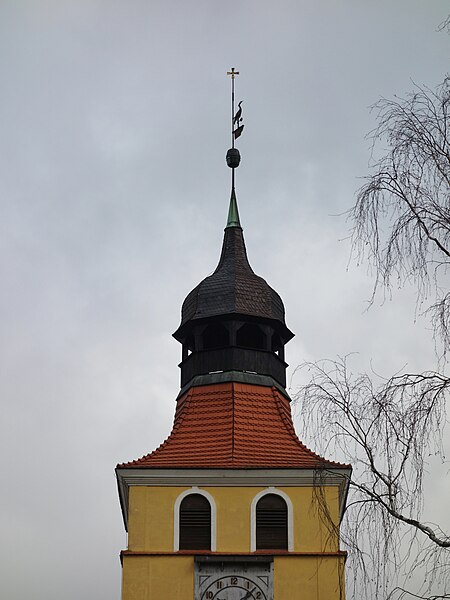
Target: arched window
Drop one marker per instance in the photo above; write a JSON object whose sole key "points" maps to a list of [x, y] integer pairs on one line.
{"points": [[195, 521], [271, 521], [251, 336]]}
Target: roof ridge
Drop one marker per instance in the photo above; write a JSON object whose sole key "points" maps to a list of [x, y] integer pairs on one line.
{"points": [[288, 423], [183, 406]]}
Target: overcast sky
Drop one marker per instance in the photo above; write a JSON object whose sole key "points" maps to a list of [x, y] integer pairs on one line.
{"points": [[114, 191]]}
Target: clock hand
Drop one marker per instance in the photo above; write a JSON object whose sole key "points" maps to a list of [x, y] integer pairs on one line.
{"points": [[248, 594]]}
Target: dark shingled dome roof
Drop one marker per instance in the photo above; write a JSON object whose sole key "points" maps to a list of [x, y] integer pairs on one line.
{"points": [[233, 288]]}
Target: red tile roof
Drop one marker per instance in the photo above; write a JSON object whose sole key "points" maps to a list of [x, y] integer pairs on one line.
{"points": [[232, 425]]}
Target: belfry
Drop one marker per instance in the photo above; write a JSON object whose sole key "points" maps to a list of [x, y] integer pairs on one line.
{"points": [[227, 507]]}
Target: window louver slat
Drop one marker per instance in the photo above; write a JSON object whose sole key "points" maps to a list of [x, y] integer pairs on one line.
{"points": [[198, 518], [273, 520]]}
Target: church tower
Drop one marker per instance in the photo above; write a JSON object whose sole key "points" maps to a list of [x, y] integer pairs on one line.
{"points": [[227, 508]]}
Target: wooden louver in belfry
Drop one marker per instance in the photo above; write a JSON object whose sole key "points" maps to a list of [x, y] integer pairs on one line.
{"points": [[271, 523], [195, 523]]}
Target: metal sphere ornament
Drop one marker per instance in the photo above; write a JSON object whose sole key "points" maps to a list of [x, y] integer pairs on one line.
{"points": [[233, 158]]}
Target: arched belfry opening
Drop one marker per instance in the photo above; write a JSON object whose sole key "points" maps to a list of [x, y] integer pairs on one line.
{"points": [[252, 336], [215, 335]]}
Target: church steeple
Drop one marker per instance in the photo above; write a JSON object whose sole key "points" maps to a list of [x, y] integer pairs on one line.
{"points": [[225, 507]]}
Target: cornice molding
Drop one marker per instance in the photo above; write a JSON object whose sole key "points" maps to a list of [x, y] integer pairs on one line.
{"points": [[259, 554], [236, 377], [127, 477]]}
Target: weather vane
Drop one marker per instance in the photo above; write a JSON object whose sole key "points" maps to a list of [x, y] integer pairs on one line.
{"points": [[233, 156]]}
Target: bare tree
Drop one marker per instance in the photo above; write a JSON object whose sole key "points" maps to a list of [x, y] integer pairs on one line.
{"points": [[387, 428], [401, 219], [445, 25]]}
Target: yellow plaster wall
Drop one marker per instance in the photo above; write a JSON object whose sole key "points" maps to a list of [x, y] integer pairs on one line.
{"points": [[158, 577], [311, 533], [233, 517], [308, 578], [295, 578], [151, 517]]}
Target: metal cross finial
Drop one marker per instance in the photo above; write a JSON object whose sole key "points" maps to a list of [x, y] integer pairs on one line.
{"points": [[233, 73]]}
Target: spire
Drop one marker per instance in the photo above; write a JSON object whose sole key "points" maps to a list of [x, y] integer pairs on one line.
{"points": [[233, 321], [233, 157], [233, 213]]}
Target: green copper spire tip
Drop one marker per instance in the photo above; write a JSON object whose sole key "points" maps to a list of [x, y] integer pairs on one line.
{"points": [[233, 213]]}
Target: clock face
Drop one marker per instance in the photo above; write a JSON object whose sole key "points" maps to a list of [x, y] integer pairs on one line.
{"points": [[225, 580], [234, 588]]}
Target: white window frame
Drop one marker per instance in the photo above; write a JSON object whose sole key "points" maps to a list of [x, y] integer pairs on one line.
{"points": [[176, 516], [290, 517]]}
